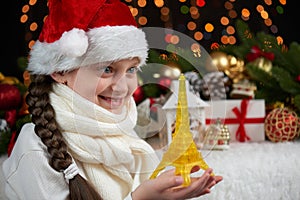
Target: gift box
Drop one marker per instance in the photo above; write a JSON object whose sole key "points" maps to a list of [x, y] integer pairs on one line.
{"points": [[243, 117]]}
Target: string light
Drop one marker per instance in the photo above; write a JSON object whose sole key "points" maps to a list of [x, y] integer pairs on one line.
{"points": [[197, 21]]}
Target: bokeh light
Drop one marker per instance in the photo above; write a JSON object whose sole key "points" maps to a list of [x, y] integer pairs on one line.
{"points": [[194, 18]]}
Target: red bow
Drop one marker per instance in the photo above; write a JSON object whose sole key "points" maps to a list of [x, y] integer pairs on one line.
{"points": [[256, 52], [241, 116], [241, 120]]}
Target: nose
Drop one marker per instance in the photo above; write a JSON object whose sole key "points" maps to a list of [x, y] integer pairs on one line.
{"points": [[119, 84]]}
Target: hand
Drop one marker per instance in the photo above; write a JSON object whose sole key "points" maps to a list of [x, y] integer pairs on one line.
{"points": [[168, 186]]}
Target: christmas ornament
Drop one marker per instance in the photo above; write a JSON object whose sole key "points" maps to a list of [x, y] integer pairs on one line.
{"points": [[139, 95], [10, 80], [282, 124], [13, 110], [236, 70], [263, 64], [256, 52], [216, 136], [213, 87], [233, 67], [10, 97], [164, 83], [274, 105], [219, 60], [194, 81], [10, 100], [243, 89]]}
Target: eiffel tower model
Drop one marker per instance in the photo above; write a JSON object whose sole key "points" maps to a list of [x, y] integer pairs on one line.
{"points": [[182, 152]]}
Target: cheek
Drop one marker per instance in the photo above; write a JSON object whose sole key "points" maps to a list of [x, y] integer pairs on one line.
{"points": [[101, 85], [86, 87], [132, 86]]}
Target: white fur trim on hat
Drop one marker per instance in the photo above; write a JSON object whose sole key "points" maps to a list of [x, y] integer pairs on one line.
{"points": [[105, 44]]}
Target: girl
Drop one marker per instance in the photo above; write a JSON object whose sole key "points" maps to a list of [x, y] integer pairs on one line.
{"points": [[81, 143]]}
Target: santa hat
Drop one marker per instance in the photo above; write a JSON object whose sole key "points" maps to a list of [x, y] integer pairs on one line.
{"points": [[78, 33]]}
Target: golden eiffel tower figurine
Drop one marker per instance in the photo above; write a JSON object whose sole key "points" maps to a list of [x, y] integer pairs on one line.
{"points": [[182, 152]]}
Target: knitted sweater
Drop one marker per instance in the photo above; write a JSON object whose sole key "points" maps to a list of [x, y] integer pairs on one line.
{"points": [[104, 146]]}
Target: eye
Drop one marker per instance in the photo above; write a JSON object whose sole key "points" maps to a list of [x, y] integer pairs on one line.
{"points": [[104, 71], [133, 70], [107, 70]]}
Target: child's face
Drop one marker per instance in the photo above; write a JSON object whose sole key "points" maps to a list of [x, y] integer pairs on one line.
{"points": [[109, 86]]}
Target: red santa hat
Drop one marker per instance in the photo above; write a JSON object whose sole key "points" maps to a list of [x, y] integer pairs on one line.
{"points": [[78, 33]]}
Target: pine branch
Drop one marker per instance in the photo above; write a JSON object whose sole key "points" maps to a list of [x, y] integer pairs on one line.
{"points": [[297, 103], [270, 95], [261, 76], [4, 140], [293, 59], [266, 42], [285, 80]]}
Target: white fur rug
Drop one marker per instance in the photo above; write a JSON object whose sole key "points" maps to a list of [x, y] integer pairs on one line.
{"points": [[251, 171], [256, 171]]}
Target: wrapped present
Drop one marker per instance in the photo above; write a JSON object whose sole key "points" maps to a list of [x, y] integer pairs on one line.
{"points": [[243, 117]]}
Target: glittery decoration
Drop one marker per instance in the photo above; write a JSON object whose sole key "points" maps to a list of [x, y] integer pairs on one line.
{"points": [[194, 81], [213, 85], [264, 64], [216, 136], [282, 124], [243, 89]]}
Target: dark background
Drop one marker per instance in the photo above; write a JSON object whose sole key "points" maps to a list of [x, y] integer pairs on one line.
{"points": [[13, 32]]}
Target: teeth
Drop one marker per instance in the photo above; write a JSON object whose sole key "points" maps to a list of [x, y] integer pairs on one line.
{"points": [[111, 99], [115, 100]]}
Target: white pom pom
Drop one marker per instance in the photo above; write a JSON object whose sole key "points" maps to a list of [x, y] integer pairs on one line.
{"points": [[74, 43]]}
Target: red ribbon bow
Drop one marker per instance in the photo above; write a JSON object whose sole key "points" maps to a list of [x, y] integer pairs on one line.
{"points": [[241, 134], [241, 119], [256, 52]]}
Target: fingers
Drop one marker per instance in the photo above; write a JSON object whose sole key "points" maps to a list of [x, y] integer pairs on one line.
{"points": [[218, 178], [198, 186], [211, 183], [169, 186], [168, 179], [203, 184]]}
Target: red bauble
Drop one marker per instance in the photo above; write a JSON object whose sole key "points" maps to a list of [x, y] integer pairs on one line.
{"points": [[282, 124], [139, 95], [10, 97], [164, 83]]}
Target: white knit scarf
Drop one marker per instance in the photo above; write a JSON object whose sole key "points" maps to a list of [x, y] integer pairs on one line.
{"points": [[103, 143]]}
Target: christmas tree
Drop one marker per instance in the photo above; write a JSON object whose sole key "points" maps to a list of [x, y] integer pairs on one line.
{"points": [[273, 66]]}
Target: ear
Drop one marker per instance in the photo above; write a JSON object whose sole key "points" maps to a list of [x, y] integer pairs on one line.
{"points": [[58, 77]]}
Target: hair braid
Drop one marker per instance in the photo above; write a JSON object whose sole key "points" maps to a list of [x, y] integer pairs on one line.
{"points": [[43, 116]]}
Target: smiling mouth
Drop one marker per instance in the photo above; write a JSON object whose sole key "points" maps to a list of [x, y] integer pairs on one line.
{"points": [[112, 101]]}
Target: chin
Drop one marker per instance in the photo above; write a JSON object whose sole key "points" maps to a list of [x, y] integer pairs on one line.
{"points": [[115, 111]]}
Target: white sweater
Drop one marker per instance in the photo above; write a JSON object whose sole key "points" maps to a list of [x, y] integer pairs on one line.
{"points": [[29, 162], [104, 146]]}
